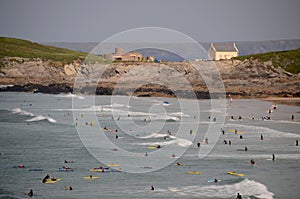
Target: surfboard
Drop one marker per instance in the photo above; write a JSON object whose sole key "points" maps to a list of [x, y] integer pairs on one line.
{"points": [[99, 170], [214, 181], [36, 169], [116, 170], [52, 180], [65, 169], [113, 165], [194, 172], [152, 147], [173, 189], [235, 174], [90, 178], [239, 132], [241, 150], [68, 188]]}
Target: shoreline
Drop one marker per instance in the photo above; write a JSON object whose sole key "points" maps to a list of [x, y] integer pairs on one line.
{"points": [[293, 101], [201, 95]]}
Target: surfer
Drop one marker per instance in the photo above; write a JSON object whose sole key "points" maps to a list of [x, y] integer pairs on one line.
{"points": [[229, 142], [169, 132], [30, 193], [273, 157], [238, 196], [117, 136], [206, 140], [246, 148], [198, 144], [152, 188], [225, 142], [292, 117], [178, 164], [216, 180], [241, 137], [91, 176], [235, 131], [191, 132], [296, 142], [223, 132], [70, 188], [252, 161], [240, 117], [261, 137], [45, 178]]}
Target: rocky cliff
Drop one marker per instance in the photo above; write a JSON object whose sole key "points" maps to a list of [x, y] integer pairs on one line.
{"points": [[247, 78]]}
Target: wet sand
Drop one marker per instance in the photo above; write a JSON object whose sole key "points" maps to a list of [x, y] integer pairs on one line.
{"points": [[295, 101]]}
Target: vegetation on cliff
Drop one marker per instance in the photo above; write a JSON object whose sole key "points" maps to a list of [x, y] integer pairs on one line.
{"points": [[12, 47], [289, 60]]}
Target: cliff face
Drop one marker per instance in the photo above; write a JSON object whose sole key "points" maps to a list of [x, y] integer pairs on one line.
{"points": [[22, 71], [248, 78]]}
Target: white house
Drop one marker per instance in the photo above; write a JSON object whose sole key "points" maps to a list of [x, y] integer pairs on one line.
{"points": [[218, 51]]}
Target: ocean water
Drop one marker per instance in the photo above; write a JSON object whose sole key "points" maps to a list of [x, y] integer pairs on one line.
{"points": [[40, 131]]}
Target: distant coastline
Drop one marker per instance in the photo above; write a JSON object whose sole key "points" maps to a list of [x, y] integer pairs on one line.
{"points": [[32, 67]]}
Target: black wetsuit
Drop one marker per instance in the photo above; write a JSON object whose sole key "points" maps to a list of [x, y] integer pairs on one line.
{"points": [[30, 194], [45, 178]]}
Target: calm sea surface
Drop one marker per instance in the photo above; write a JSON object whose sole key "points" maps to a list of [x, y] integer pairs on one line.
{"points": [[42, 131]]}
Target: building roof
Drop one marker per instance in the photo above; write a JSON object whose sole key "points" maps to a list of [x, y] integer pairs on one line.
{"points": [[224, 47]]}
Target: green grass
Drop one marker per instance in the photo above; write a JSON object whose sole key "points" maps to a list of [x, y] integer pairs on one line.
{"points": [[12, 47], [289, 60]]}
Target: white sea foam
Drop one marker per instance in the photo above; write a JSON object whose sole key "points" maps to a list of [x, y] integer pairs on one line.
{"points": [[21, 112], [70, 95], [5, 86], [157, 135], [180, 114], [248, 188], [265, 130], [178, 141], [115, 105], [34, 117], [40, 118]]}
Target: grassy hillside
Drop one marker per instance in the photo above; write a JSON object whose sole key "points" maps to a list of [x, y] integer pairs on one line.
{"points": [[21, 48], [289, 60]]}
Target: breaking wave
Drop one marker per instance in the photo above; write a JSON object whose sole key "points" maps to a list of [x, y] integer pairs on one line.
{"points": [[40, 118], [247, 188]]}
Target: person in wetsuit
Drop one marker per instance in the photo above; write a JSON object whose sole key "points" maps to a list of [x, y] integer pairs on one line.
{"points": [[30, 193], [45, 178], [152, 188]]}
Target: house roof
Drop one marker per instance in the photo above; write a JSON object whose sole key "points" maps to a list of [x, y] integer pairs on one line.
{"points": [[225, 47]]}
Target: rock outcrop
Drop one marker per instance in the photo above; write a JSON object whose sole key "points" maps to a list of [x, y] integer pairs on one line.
{"points": [[248, 78]]}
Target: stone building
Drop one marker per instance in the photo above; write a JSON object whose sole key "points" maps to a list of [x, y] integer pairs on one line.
{"points": [[131, 56], [218, 51], [120, 55]]}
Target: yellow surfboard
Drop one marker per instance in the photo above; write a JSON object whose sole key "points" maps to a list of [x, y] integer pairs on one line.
{"points": [[113, 165], [90, 177], [53, 180], [194, 172], [235, 174]]}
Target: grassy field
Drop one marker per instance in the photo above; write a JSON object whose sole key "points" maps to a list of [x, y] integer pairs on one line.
{"points": [[21, 48], [289, 60]]}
